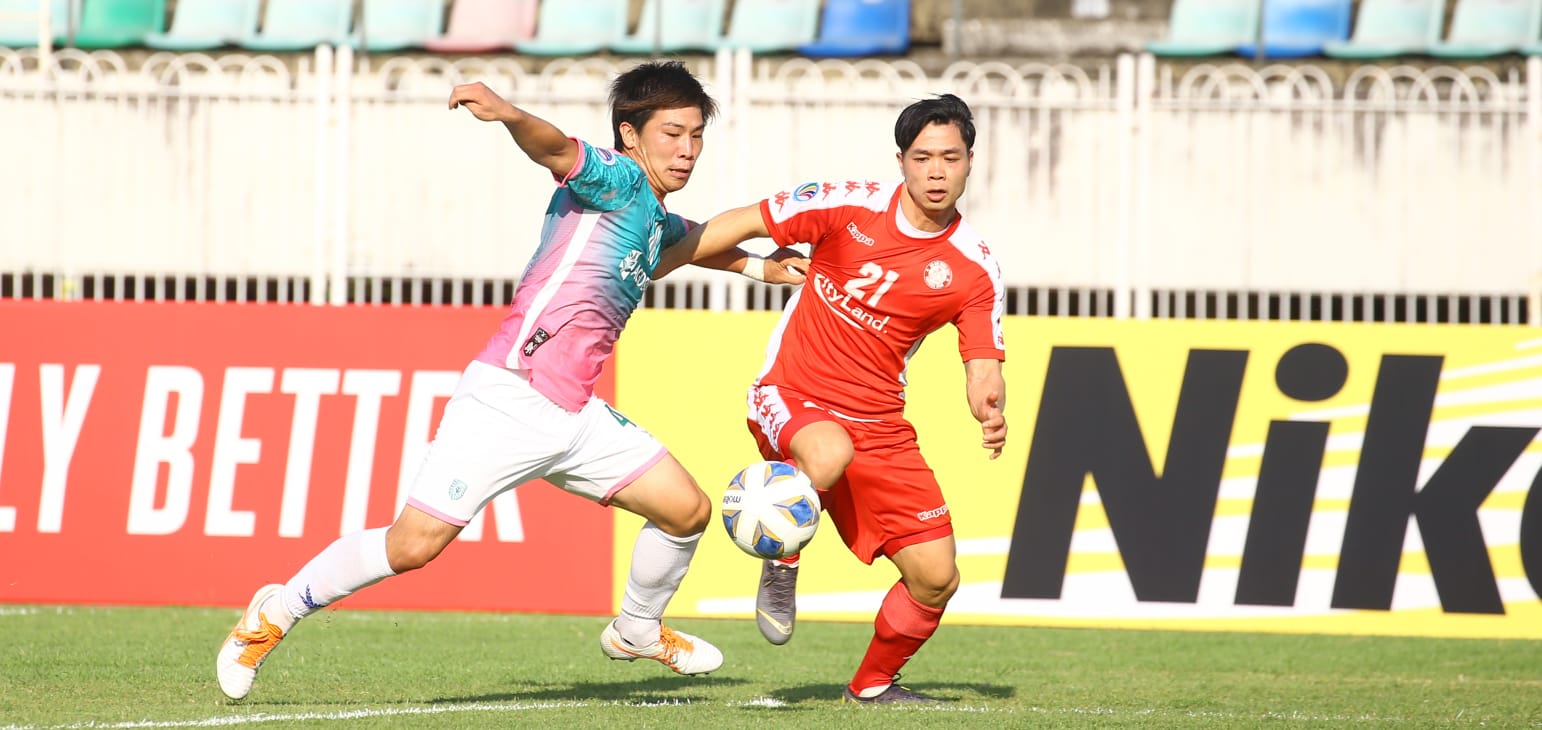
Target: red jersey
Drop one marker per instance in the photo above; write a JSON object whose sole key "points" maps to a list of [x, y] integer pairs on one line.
{"points": [[873, 292]]}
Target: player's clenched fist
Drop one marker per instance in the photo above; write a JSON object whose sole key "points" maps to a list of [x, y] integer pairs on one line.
{"points": [[786, 266], [993, 428]]}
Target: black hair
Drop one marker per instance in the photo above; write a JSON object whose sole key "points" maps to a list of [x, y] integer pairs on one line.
{"points": [[941, 109], [646, 88]]}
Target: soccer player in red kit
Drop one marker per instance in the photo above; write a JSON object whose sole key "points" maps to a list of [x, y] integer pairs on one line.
{"points": [[890, 263]]}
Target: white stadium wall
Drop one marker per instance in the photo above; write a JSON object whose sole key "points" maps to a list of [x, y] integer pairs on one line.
{"points": [[1128, 179]]}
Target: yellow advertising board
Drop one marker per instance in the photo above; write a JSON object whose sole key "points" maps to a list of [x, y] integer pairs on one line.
{"points": [[1261, 476]]}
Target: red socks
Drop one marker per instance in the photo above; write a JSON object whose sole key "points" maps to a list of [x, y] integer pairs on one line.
{"points": [[902, 626]]}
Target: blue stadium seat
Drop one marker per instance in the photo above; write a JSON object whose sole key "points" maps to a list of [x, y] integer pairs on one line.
{"points": [[675, 25], [1299, 28], [576, 27], [772, 26], [200, 25], [298, 25], [18, 22], [1388, 28], [1208, 27], [861, 28], [394, 25], [1485, 28]]}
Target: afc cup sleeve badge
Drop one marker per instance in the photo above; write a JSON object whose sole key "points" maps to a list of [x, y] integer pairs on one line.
{"points": [[938, 274]]}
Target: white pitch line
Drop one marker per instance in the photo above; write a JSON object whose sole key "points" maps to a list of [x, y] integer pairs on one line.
{"points": [[763, 702], [261, 717]]}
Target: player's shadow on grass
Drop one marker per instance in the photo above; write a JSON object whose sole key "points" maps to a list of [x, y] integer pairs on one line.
{"points": [[943, 691], [654, 690]]}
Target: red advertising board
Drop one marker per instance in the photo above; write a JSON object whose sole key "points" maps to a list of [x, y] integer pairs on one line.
{"points": [[187, 453]]}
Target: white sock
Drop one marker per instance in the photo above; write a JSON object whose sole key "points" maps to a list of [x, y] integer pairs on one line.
{"points": [[659, 561], [872, 692], [351, 562]]}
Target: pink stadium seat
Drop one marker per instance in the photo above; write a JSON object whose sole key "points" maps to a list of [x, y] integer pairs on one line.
{"points": [[484, 26]]}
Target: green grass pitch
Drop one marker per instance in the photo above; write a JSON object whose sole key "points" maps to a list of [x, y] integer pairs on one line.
{"points": [[154, 667]]}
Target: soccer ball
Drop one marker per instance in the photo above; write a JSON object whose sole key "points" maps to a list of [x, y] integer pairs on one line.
{"points": [[770, 509]]}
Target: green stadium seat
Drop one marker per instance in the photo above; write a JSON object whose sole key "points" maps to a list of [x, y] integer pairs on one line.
{"points": [[1485, 28], [484, 26], [394, 25], [18, 22], [1208, 27], [199, 25], [669, 26], [772, 26], [1388, 28], [298, 25], [119, 23], [576, 27]]}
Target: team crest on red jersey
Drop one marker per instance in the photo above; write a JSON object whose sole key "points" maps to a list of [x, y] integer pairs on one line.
{"points": [[938, 274]]}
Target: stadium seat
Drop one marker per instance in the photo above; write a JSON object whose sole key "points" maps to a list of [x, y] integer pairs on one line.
{"points": [[199, 25], [675, 25], [298, 25], [576, 27], [484, 26], [1484, 28], [118, 23], [1208, 27], [772, 26], [393, 25], [18, 22], [1299, 28], [861, 28], [1388, 28]]}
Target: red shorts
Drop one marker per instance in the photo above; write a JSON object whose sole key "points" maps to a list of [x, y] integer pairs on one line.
{"points": [[888, 497]]}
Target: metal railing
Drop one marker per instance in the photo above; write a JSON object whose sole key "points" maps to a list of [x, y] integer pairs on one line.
{"points": [[1128, 190]]}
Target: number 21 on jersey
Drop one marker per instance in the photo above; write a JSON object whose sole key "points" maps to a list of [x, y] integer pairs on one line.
{"points": [[871, 274]]}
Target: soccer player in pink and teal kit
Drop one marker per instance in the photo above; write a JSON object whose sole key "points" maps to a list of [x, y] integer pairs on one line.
{"points": [[525, 408]]}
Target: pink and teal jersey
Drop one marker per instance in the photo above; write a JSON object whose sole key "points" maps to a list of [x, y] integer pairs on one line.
{"points": [[600, 243]]}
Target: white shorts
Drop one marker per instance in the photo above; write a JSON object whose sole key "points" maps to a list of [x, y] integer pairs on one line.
{"points": [[498, 433]]}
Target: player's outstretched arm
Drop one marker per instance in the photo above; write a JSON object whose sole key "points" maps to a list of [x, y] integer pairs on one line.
{"points": [[714, 245], [986, 389], [540, 140]]}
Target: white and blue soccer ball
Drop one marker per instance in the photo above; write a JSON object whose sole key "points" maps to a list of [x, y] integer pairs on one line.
{"points": [[771, 509]]}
